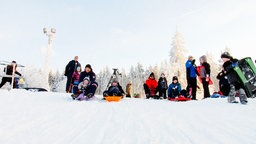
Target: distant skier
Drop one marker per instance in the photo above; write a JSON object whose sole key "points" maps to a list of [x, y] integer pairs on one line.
{"points": [[86, 90], [69, 70], [234, 80], [174, 88], [9, 72], [162, 86], [150, 87]]}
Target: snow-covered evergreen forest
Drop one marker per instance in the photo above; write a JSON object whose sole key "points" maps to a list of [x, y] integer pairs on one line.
{"points": [[55, 81]]}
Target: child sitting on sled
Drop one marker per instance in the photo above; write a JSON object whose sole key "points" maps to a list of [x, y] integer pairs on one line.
{"points": [[86, 90], [114, 90], [174, 88]]}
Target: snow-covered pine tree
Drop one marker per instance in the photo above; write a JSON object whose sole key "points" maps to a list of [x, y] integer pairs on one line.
{"points": [[165, 68], [214, 72], [178, 58], [36, 78], [58, 82], [102, 79]]}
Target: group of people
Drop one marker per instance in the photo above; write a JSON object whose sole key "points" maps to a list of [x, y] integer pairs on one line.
{"points": [[229, 82], [151, 85], [84, 83]]}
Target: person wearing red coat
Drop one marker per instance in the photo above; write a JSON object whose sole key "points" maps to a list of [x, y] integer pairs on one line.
{"points": [[150, 87]]}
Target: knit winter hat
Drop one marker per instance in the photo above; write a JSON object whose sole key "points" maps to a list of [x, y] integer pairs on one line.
{"points": [[225, 55], [88, 66], [115, 80], [87, 78], [174, 78], [78, 68], [152, 74]]}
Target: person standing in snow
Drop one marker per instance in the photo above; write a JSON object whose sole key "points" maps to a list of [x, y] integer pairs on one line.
{"points": [[162, 86], [191, 74], [150, 87], [69, 70], [233, 78], [9, 71], [205, 75]]}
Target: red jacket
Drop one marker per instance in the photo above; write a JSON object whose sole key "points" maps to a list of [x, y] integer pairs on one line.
{"points": [[152, 85], [75, 77]]}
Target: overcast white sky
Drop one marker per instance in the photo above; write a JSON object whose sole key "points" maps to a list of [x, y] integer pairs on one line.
{"points": [[119, 33]]}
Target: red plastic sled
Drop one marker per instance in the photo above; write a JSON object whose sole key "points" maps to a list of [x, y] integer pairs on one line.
{"points": [[180, 98], [198, 70]]}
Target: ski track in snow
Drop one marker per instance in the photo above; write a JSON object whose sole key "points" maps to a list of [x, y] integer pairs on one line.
{"points": [[54, 118]]}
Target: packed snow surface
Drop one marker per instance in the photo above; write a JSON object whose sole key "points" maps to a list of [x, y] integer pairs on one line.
{"points": [[54, 118]]}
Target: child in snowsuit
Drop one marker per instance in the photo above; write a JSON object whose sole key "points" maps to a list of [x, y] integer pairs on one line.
{"points": [[75, 79], [114, 90], [150, 87], [162, 86], [174, 88], [223, 83], [9, 71], [86, 90], [234, 80]]}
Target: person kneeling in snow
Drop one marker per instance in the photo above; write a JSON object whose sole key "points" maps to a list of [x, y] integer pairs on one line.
{"points": [[174, 88], [114, 90], [86, 90]]}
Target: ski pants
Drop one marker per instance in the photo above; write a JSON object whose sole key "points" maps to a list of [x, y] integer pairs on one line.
{"points": [[192, 83], [206, 88], [232, 94], [68, 84], [7, 79], [162, 93]]}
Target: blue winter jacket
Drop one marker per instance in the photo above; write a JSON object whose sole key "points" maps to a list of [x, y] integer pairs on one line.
{"points": [[174, 90], [190, 69]]}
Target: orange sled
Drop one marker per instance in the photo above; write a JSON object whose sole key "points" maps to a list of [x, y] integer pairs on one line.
{"points": [[113, 98]]}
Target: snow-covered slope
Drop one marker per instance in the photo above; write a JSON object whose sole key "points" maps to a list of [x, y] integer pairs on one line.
{"points": [[54, 118]]}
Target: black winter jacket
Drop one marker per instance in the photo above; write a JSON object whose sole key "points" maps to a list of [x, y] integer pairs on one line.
{"points": [[71, 68], [91, 75]]}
